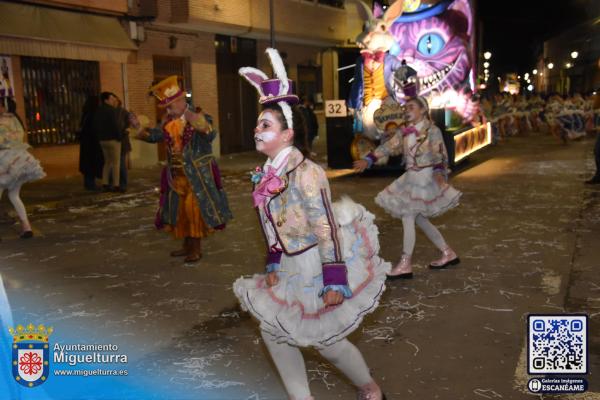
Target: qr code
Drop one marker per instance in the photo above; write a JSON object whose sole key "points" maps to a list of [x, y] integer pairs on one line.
{"points": [[557, 344]]}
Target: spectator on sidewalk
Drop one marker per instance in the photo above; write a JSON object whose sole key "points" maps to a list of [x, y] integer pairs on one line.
{"points": [[106, 127], [123, 121], [312, 125], [90, 152]]}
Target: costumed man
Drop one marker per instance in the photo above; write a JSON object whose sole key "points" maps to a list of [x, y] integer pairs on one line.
{"points": [[193, 203], [374, 70]]}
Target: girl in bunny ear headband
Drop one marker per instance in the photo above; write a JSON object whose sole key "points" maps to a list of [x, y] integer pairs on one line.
{"points": [[318, 284], [423, 190]]}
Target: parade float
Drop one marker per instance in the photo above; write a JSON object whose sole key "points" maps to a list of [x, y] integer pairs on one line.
{"points": [[427, 49]]}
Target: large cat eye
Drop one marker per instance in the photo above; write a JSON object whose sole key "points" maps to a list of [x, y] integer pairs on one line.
{"points": [[430, 44]]}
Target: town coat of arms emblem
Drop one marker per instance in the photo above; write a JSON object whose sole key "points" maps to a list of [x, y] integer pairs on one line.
{"points": [[30, 354]]}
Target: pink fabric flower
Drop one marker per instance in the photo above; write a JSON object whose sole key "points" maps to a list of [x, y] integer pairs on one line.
{"points": [[269, 185], [409, 130]]}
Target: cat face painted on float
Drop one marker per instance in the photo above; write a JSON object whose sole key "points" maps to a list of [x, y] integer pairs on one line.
{"points": [[437, 47]]}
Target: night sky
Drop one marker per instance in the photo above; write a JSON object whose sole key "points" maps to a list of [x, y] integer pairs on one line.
{"points": [[514, 30]]}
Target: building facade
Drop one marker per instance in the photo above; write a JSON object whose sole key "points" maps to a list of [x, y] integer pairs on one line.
{"points": [[574, 56], [80, 47]]}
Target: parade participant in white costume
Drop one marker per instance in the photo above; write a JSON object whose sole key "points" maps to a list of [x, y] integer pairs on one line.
{"points": [[554, 106], [323, 273], [422, 191], [523, 111], [570, 118], [536, 108], [17, 165]]}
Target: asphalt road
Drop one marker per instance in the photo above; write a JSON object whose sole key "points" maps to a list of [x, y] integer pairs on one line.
{"points": [[527, 232]]}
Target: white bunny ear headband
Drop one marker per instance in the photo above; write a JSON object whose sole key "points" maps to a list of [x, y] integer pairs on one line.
{"points": [[276, 90]]}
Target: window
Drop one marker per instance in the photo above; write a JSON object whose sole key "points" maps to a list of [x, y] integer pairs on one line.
{"points": [[54, 91]]}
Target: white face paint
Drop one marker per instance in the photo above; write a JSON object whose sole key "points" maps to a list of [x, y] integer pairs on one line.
{"points": [[264, 138], [267, 134]]}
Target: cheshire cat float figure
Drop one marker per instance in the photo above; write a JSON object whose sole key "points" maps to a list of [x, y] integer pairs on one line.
{"points": [[436, 39], [374, 70]]}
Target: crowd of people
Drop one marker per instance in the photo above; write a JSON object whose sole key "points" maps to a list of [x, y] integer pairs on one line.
{"points": [[565, 117], [322, 272]]}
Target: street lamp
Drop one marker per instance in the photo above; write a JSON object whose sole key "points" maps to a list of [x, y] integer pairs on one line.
{"points": [[486, 64], [485, 71], [530, 88], [574, 55], [568, 65], [550, 65], [487, 55], [535, 71]]}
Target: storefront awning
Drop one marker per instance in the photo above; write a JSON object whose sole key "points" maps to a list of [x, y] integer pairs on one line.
{"points": [[45, 32]]}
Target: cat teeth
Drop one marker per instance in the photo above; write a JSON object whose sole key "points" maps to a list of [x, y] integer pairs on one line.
{"points": [[435, 78]]}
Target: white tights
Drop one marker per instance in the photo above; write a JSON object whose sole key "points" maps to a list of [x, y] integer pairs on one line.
{"points": [[408, 225], [290, 365], [15, 198]]}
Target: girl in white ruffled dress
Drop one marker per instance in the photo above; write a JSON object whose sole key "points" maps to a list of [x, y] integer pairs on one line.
{"points": [[422, 191], [17, 165], [323, 273]]}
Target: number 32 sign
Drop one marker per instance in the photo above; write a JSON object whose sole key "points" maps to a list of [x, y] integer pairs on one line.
{"points": [[335, 108]]}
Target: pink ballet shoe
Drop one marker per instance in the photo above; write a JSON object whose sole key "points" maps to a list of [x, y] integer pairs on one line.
{"points": [[448, 258], [403, 270], [370, 391]]}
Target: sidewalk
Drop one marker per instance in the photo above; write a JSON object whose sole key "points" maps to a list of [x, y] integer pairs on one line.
{"points": [[68, 190]]}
